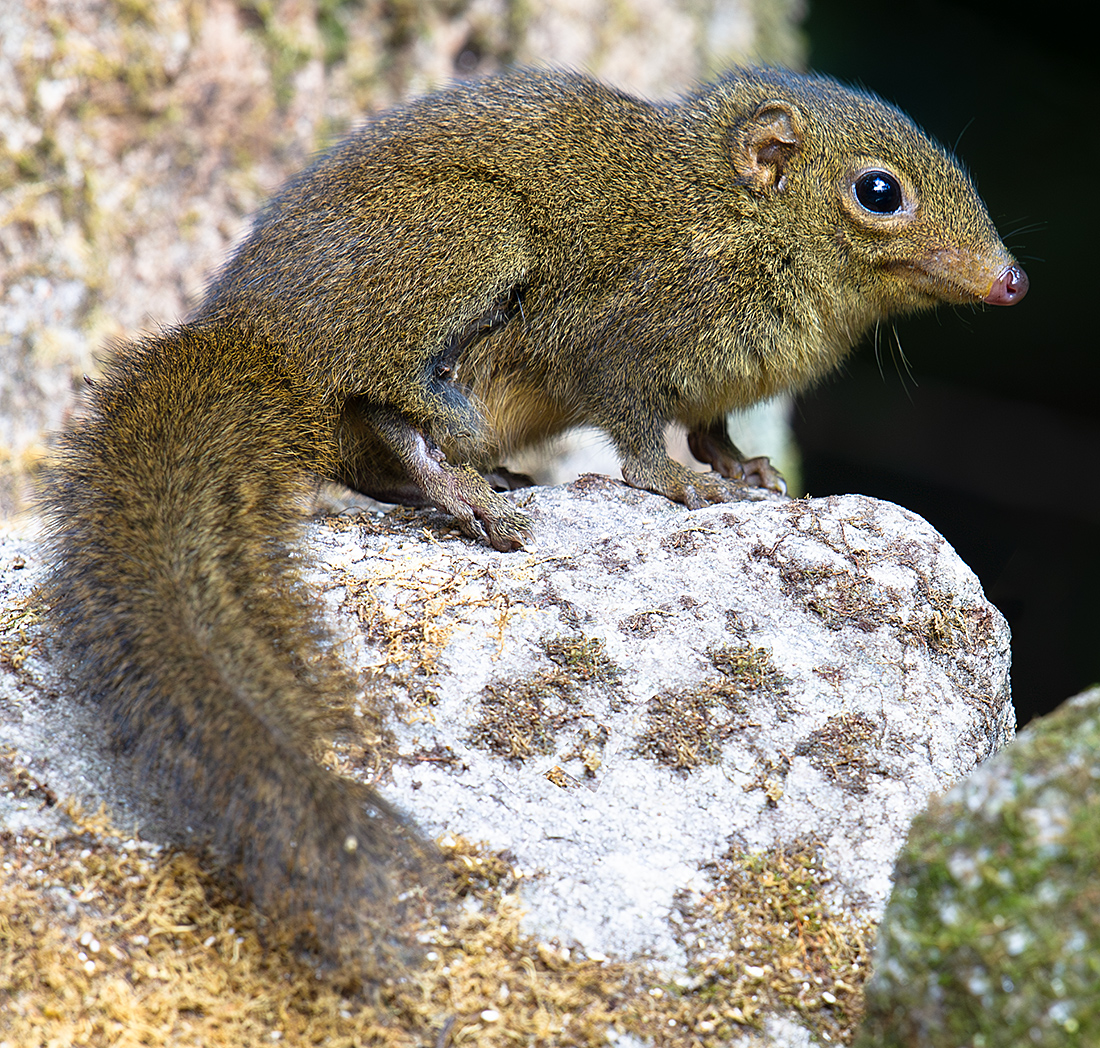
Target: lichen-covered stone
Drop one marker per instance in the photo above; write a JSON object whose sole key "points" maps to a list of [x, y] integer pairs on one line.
{"points": [[992, 936]]}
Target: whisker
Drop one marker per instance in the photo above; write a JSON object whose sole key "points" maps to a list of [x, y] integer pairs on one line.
{"points": [[878, 353], [966, 127], [896, 341], [1033, 227]]}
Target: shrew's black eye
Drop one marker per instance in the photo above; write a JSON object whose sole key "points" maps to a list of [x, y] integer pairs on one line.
{"points": [[879, 192]]}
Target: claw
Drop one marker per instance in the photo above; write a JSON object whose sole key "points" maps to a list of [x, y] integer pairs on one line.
{"points": [[507, 532]]}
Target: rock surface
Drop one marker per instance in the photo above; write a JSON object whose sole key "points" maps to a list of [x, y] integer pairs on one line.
{"points": [[992, 936], [621, 702], [760, 671]]}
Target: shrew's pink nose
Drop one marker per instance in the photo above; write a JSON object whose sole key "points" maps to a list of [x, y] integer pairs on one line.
{"points": [[1008, 288]]}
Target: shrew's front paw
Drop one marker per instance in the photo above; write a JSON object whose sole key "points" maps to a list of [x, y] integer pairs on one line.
{"points": [[680, 484], [713, 446]]}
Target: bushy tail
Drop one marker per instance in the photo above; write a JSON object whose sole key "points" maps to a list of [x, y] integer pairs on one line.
{"points": [[175, 507]]}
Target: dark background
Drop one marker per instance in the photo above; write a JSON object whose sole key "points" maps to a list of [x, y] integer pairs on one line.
{"points": [[993, 432]]}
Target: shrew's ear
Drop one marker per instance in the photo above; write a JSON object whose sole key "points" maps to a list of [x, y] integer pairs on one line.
{"points": [[762, 146]]}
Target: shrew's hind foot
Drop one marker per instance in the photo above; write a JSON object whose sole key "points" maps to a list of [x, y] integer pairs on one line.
{"points": [[458, 490], [468, 498]]}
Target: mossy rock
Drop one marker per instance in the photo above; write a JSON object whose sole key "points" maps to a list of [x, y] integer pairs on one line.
{"points": [[992, 935]]}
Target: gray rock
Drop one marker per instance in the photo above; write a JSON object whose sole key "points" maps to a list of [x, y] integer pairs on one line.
{"points": [[863, 671], [636, 691], [992, 936]]}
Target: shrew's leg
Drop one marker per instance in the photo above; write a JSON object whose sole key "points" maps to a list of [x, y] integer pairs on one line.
{"points": [[458, 490]]}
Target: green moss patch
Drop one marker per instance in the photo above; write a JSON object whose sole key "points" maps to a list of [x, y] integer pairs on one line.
{"points": [[992, 936], [687, 727], [521, 717], [107, 941]]}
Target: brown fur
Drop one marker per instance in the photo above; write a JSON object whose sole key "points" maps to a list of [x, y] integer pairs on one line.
{"points": [[645, 264], [177, 505]]}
